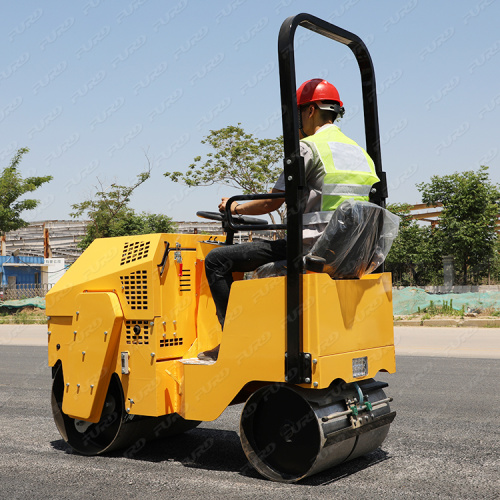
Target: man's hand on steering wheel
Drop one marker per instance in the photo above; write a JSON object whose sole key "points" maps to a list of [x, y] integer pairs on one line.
{"points": [[222, 205]]}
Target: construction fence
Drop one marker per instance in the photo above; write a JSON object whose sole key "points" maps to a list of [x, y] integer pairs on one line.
{"points": [[23, 291]]}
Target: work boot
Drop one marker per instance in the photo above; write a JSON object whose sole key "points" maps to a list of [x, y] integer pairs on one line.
{"points": [[210, 355]]}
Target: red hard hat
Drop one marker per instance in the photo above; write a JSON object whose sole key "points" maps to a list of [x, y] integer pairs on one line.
{"points": [[317, 90]]}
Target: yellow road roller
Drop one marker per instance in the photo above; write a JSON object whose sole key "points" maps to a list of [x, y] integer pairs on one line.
{"points": [[301, 349]]}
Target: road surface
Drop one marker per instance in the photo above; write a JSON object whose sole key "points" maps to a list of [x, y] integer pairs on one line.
{"points": [[444, 442]]}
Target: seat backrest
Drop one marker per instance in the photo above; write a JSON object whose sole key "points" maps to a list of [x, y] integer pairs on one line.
{"points": [[351, 246]]}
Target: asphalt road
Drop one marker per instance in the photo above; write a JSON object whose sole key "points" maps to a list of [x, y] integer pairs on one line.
{"points": [[444, 443]]}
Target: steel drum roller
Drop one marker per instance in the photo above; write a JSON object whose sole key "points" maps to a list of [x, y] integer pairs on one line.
{"points": [[289, 433], [116, 429]]}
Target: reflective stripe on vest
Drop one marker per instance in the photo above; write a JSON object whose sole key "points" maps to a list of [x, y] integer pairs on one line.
{"points": [[316, 218], [349, 171], [346, 189]]}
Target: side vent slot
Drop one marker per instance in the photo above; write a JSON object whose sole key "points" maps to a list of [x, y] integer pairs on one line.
{"points": [[171, 342], [134, 251], [135, 287], [185, 281]]}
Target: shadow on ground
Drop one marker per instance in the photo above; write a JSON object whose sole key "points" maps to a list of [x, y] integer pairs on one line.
{"points": [[212, 449]]}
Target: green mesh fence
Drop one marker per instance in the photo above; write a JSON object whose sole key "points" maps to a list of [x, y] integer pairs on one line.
{"points": [[408, 300], [16, 304]]}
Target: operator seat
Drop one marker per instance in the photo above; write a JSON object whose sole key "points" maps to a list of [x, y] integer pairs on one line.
{"points": [[355, 242]]}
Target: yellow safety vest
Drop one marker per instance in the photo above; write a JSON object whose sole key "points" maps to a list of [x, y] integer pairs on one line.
{"points": [[349, 170]]}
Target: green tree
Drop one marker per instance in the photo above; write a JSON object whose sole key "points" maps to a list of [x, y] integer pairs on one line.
{"points": [[430, 257], [468, 218], [143, 223], [404, 257], [237, 160], [13, 187], [494, 265], [416, 253], [110, 214]]}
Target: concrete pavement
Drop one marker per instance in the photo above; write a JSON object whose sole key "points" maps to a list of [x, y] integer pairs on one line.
{"points": [[447, 342], [30, 335]]}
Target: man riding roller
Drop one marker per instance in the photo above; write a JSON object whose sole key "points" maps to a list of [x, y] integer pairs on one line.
{"points": [[336, 169]]}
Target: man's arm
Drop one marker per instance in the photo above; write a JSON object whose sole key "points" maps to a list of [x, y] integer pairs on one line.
{"points": [[255, 207], [261, 207]]}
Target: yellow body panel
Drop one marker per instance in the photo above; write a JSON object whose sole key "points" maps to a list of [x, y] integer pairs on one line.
{"points": [[159, 321], [252, 349], [327, 367], [209, 332], [347, 315], [89, 350], [151, 387]]}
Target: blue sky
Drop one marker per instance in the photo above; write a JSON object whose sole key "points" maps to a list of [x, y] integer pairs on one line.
{"points": [[91, 86]]}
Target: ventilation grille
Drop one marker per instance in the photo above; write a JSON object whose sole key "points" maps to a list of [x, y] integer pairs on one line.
{"points": [[135, 287], [185, 281], [134, 251], [171, 342], [137, 331]]}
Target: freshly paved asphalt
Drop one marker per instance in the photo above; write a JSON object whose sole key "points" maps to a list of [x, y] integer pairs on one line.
{"points": [[444, 443]]}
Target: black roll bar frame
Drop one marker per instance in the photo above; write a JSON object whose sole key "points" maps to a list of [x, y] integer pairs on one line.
{"points": [[298, 363]]}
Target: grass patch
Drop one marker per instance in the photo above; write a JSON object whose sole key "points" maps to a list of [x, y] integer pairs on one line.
{"points": [[25, 316], [491, 311], [446, 309]]}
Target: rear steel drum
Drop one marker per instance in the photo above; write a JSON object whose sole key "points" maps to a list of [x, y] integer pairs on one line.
{"points": [[116, 429]]}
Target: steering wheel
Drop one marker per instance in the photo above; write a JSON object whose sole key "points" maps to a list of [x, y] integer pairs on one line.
{"points": [[238, 219]]}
